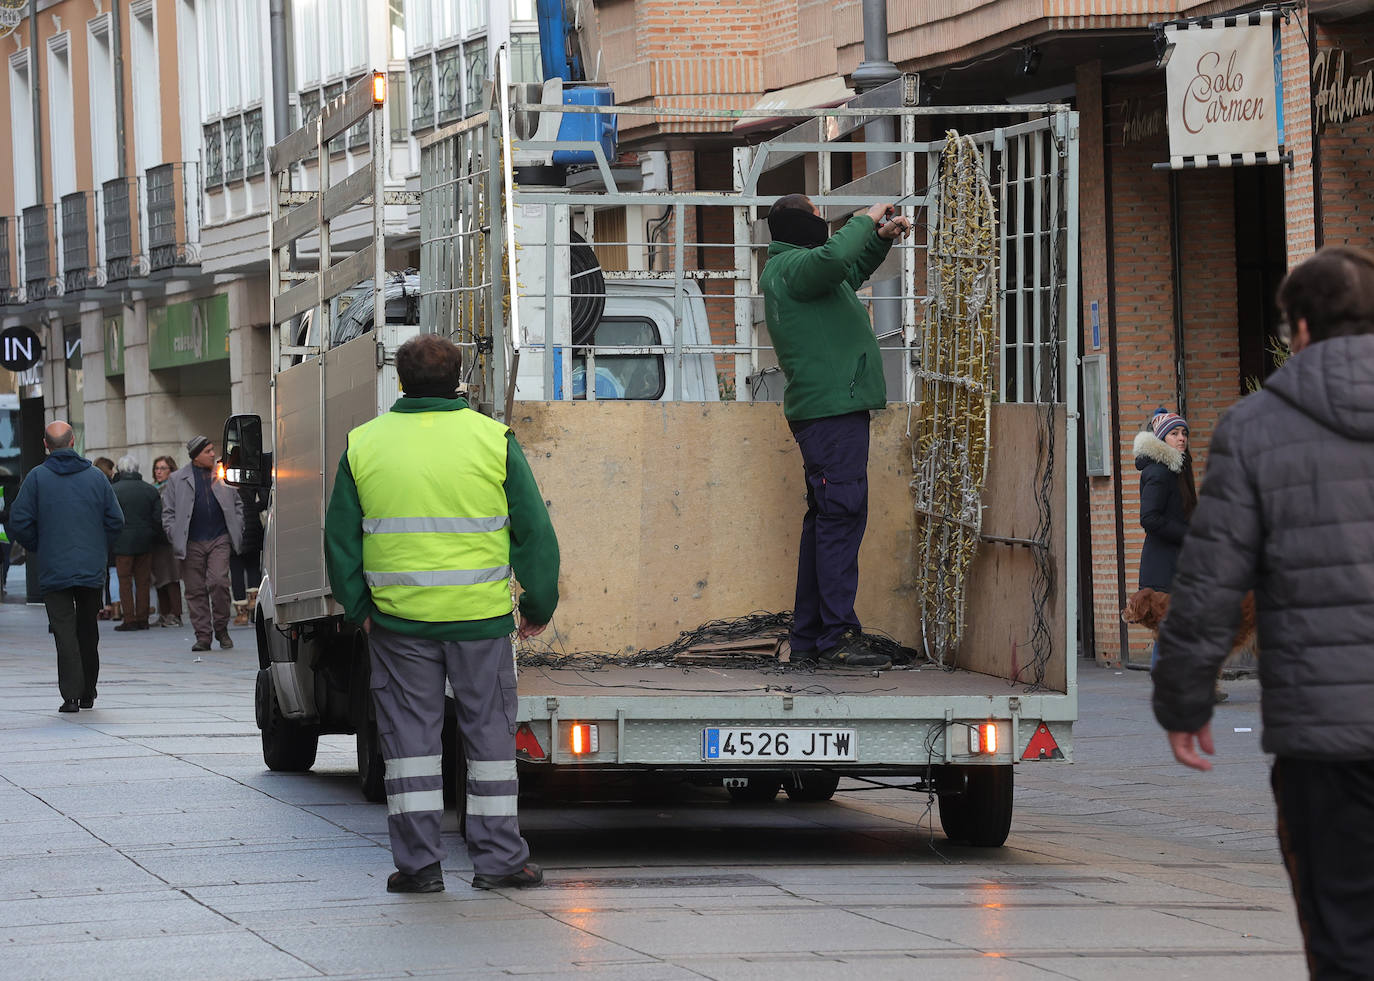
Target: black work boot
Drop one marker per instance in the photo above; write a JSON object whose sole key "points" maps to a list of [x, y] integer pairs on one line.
{"points": [[853, 652], [428, 879]]}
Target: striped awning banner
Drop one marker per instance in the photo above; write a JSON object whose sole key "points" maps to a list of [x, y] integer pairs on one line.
{"points": [[1225, 92]]}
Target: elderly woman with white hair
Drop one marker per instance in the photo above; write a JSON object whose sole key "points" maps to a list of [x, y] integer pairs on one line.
{"points": [[133, 549]]}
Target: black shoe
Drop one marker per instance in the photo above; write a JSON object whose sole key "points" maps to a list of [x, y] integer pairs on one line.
{"points": [[804, 658], [131, 625], [428, 879], [88, 702], [201, 645], [524, 878], [70, 705], [853, 652], [225, 641]]}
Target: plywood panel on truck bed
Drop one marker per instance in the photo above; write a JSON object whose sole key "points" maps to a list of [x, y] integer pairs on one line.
{"points": [[673, 514]]}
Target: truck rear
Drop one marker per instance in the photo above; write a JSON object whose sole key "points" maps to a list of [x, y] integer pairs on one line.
{"points": [[676, 487]]}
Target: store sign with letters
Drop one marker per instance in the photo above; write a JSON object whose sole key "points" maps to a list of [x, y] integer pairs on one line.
{"points": [[188, 333], [1225, 102], [1338, 96]]}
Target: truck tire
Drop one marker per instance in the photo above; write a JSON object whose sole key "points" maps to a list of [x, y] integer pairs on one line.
{"points": [[371, 765], [810, 788], [760, 790], [981, 814], [287, 747]]}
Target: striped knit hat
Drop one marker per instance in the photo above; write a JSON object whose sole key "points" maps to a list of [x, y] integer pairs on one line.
{"points": [[1166, 422]]}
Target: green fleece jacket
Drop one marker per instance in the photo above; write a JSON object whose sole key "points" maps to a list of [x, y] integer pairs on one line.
{"points": [[820, 331], [533, 547]]}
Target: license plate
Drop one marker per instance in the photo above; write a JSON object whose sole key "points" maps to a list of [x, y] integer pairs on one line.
{"points": [[722, 745]]}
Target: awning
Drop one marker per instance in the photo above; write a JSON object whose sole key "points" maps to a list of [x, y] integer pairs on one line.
{"points": [[820, 93]]}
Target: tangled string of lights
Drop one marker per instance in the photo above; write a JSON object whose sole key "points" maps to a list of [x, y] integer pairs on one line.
{"points": [[957, 351]]}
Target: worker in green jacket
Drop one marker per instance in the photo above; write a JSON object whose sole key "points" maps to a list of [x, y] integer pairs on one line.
{"points": [[433, 511], [830, 361]]}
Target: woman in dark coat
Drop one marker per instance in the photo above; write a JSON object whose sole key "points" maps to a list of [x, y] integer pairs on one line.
{"points": [[1168, 496], [166, 568]]}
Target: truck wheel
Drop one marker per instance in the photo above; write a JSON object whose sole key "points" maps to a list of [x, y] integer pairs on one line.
{"points": [[759, 790], [981, 815], [371, 765], [287, 747], [810, 788]]}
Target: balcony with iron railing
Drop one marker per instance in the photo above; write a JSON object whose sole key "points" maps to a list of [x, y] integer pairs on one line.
{"points": [[174, 219], [40, 253], [81, 267], [11, 291], [124, 256]]}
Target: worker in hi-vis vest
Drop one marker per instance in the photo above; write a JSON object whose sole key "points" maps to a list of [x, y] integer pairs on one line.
{"points": [[433, 510]]}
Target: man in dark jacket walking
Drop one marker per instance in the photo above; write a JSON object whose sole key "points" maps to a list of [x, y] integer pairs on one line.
{"points": [[834, 377], [133, 549], [67, 516], [1287, 508]]}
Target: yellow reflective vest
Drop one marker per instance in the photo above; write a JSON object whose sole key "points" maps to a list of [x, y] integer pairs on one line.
{"points": [[436, 524]]}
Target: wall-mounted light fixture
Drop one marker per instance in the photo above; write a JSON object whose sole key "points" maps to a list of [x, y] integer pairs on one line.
{"points": [[1030, 60], [1164, 50]]}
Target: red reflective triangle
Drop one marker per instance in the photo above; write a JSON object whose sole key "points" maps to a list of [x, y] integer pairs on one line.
{"points": [[1042, 746], [526, 745]]}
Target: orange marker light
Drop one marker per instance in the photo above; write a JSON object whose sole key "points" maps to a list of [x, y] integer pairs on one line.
{"points": [[988, 731], [378, 88], [582, 739]]}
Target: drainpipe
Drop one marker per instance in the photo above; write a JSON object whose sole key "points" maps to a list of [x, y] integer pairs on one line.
{"points": [[281, 82], [875, 70], [37, 102], [117, 50]]}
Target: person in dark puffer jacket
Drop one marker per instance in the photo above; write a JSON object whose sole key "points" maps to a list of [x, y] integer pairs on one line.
{"points": [[1287, 508]]}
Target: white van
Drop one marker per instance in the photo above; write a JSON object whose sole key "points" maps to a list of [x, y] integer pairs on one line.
{"points": [[638, 314]]}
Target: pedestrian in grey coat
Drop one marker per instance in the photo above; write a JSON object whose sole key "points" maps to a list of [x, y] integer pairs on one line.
{"points": [[67, 516], [1287, 509], [203, 519]]}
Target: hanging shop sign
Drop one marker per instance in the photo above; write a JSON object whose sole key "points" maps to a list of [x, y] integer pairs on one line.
{"points": [[20, 349], [114, 346], [1337, 96], [1224, 91], [195, 332]]}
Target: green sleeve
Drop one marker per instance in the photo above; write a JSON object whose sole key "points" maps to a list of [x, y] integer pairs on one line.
{"points": [[821, 269], [343, 546], [533, 544], [875, 250]]}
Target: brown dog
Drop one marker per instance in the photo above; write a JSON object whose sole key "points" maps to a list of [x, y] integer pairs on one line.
{"points": [[1149, 606]]}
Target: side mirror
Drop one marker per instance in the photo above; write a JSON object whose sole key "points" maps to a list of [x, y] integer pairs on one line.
{"points": [[245, 464]]}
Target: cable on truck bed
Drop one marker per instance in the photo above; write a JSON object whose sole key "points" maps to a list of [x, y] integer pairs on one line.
{"points": [[716, 634]]}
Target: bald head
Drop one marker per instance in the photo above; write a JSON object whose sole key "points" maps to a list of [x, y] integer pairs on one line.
{"points": [[58, 435]]}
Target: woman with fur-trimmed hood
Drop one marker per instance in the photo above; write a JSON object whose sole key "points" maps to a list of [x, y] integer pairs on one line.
{"points": [[1168, 496]]}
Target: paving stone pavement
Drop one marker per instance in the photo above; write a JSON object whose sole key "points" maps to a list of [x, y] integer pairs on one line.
{"points": [[145, 839]]}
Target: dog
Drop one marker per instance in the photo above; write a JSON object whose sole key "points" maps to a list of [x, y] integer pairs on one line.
{"points": [[1149, 606]]}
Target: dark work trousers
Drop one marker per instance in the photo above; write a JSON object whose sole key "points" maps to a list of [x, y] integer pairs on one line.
{"points": [[72, 616], [1326, 831], [135, 585], [245, 573], [408, 692], [835, 454], [205, 570]]}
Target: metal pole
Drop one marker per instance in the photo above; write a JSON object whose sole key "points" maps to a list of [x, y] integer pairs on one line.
{"points": [[281, 80], [117, 50], [875, 70], [37, 103]]}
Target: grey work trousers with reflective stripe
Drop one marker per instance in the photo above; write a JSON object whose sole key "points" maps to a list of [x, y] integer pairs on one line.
{"points": [[408, 691]]}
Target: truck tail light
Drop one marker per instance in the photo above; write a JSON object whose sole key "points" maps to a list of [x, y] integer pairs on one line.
{"points": [[583, 739], [982, 739]]}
